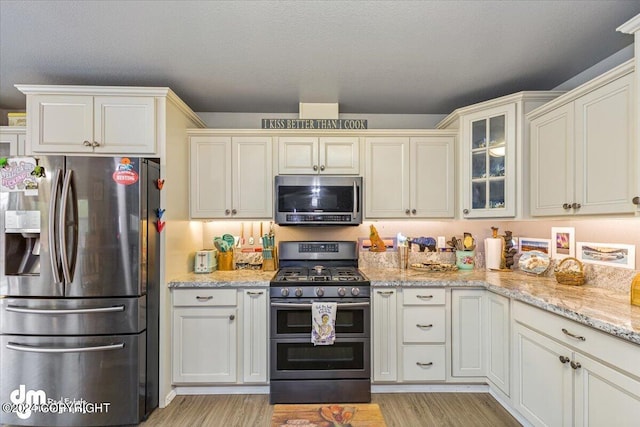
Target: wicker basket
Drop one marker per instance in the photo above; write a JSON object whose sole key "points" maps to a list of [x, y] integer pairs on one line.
{"points": [[566, 276]]}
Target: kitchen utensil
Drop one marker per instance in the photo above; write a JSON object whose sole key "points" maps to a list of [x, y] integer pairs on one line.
{"points": [[251, 240], [241, 234], [220, 244], [231, 241], [468, 242]]}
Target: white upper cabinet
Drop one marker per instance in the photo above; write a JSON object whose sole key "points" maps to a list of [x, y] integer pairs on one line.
{"points": [[319, 155], [410, 176], [493, 140], [231, 176], [12, 140], [583, 149], [87, 124], [488, 162]]}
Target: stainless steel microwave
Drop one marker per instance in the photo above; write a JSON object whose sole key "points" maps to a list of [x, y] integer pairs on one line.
{"points": [[318, 200]]}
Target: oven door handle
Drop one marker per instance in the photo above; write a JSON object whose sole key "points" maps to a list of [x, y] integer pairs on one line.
{"points": [[308, 305]]}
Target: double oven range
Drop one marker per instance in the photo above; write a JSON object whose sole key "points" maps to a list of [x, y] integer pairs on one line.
{"points": [[300, 371]]}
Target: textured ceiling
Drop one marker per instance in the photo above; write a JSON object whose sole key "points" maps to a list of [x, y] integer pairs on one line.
{"points": [[404, 57]]}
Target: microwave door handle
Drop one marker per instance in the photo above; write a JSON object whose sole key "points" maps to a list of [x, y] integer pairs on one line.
{"points": [[355, 199], [53, 208]]}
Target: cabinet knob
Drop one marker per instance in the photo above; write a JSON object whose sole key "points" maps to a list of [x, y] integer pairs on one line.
{"points": [[233, 211], [227, 212], [564, 359], [413, 211], [95, 144], [465, 211], [566, 206], [322, 167], [576, 205], [315, 167], [636, 200], [86, 143], [576, 365], [407, 211], [232, 317]]}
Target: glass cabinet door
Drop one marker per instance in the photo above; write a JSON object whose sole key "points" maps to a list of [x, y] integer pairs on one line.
{"points": [[489, 163]]}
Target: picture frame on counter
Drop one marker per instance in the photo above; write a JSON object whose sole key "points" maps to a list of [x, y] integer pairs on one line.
{"points": [[527, 244], [609, 254], [563, 242]]}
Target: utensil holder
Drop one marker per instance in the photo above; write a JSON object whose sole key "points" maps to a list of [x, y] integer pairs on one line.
{"points": [[403, 257], [268, 259], [465, 260], [225, 261]]}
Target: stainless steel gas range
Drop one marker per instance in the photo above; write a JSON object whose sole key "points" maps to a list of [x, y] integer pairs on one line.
{"points": [[302, 372]]}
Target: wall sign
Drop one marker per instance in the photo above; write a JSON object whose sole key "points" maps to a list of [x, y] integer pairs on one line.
{"points": [[314, 124]]}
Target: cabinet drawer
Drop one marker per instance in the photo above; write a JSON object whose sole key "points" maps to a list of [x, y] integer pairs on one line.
{"points": [[204, 297], [423, 296], [608, 348], [423, 363], [423, 324]]}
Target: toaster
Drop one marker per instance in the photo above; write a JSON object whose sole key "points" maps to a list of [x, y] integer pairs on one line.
{"points": [[205, 261]]}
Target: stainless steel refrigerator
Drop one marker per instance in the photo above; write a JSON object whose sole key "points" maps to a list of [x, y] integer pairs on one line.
{"points": [[79, 292]]}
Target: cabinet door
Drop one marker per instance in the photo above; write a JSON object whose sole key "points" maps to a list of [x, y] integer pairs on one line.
{"points": [[543, 383], [124, 125], [552, 162], [385, 335], [210, 175], [604, 396], [489, 163], [387, 177], [339, 155], [298, 155], [467, 333], [60, 123], [498, 321], [432, 182], [8, 144], [255, 336], [605, 148], [252, 177], [204, 345]]}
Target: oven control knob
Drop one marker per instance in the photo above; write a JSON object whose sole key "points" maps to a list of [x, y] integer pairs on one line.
{"points": [[284, 292], [320, 292], [298, 292], [342, 292], [355, 291]]}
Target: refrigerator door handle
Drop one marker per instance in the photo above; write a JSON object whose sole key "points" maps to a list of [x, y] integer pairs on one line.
{"points": [[53, 208], [17, 309], [66, 266], [34, 349]]}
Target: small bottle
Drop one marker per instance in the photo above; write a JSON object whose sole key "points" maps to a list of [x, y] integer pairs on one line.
{"points": [[635, 290]]}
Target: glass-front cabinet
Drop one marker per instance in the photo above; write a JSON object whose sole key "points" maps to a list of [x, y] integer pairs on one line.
{"points": [[488, 163]]}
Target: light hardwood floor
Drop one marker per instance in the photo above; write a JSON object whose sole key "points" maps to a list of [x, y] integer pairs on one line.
{"points": [[398, 409]]}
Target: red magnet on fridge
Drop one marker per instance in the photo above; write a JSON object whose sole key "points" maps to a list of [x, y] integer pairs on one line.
{"points": [[160, 225], [159, 183]]}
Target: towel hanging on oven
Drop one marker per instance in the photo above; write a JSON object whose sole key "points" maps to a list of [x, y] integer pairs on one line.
{"points": [[323, 331]]}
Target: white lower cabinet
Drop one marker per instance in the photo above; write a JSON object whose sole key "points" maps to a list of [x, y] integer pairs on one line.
{"points": [[558, 382], [468, 332], [216, 331], [498, 341], [385, 335], [256, 335]]}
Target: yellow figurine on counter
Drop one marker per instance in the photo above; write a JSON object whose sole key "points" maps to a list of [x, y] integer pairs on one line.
{"points": [[377, 244]]}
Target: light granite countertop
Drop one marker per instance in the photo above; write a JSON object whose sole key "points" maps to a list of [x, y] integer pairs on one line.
{"points": [[602, 308]]}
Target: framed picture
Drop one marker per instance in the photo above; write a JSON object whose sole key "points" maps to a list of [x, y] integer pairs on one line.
{"points": [[611, 254], [526, 244], [563, 242]]}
